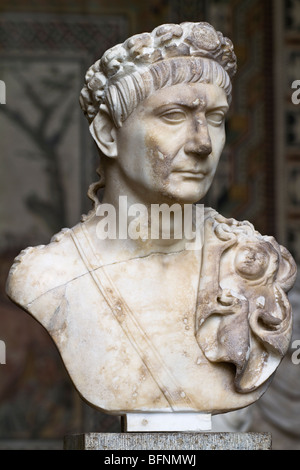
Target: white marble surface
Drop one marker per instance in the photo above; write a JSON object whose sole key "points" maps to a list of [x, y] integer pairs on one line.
{"points": [[145, 323], [166, 422]]}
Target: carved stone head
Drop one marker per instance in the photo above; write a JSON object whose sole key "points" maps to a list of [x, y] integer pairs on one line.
{"points": [[166, 93]]}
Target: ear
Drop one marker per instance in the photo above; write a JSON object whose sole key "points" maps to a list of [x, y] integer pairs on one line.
{"points": [[104, 132]]}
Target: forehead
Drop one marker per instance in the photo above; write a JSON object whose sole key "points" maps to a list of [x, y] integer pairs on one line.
{"points": [[194, 95]]}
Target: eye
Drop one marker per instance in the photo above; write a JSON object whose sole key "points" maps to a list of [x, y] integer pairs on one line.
{"points": [[173, 116], [215, 118]]}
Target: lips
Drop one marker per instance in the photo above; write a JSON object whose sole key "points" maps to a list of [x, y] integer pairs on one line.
{"points": [[192, 173]]}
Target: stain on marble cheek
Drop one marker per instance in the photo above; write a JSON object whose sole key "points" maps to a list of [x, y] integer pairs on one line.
{"points": [[163, 164], [160, 162]]}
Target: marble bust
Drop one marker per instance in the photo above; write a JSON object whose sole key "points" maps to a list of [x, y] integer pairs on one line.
{"points": [[155, 324]]}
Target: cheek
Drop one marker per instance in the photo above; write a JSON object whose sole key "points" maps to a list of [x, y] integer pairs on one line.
{"points": [[159, 160], [130, 142], [218, 139], [160, 163]]}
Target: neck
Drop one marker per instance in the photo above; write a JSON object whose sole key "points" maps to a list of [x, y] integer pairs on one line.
{"points": [[164, 227]]}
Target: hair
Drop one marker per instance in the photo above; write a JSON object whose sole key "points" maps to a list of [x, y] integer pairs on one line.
{"points": [[124, 96], [171, 54]]}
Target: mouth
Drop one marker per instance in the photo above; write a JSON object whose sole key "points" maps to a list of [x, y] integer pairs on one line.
{"points": [[192, 174]]}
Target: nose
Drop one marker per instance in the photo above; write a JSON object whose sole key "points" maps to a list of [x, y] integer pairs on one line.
{"points": [[199, 139]]}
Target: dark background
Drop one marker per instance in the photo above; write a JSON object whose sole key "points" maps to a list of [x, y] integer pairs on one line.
{"points": [[48, 159]]}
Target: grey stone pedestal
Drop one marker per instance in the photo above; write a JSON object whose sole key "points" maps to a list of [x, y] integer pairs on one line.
{"points": [[169, 441]]}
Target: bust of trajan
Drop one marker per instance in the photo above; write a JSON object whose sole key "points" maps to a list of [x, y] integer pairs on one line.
{"points": [[155, 303]]}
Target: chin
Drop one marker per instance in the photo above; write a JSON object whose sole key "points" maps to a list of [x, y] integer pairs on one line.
{"points": [[190, 197], [193, 193], [184, 193], [184, 198]]}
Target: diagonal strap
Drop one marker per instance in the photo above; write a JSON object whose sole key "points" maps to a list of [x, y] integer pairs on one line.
{"points": [[166, 382]]}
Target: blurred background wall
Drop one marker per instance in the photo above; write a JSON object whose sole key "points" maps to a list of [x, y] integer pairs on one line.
{"points": [[48, 159]]}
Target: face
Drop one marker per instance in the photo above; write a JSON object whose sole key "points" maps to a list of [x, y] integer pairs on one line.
{"points": [[251, 261], [169, 147]]}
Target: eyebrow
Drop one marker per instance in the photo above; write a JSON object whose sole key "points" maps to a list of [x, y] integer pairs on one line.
{"points": [[222, 107]]}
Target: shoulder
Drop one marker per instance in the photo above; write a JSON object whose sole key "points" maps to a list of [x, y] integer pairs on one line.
{"points": [[218, 220], [37, 270], [248, 243]]}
